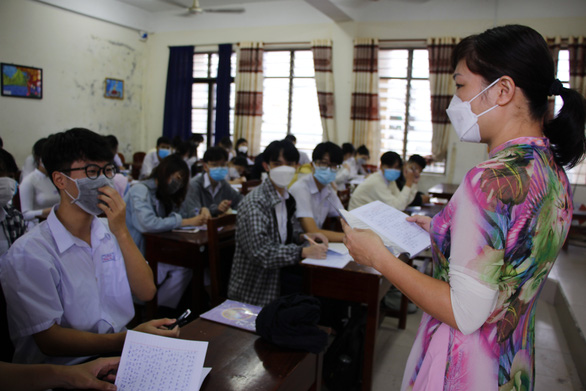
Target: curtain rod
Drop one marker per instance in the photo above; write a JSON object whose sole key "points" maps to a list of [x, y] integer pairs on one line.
{"points": [[404, 40]]}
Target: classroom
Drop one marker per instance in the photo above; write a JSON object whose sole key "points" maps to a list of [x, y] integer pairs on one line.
{"points": [[80, 44]]}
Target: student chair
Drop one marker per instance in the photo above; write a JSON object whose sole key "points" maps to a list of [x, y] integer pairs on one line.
{"points": [[221, 246], [249, 185]]}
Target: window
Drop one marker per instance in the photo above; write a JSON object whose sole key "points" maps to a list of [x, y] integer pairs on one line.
{"points": [[290, 99], [576, 175], [203, 101], [405, 107]]}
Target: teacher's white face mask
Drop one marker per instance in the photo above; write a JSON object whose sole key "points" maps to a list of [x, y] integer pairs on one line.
{"points": [[465, 122]]}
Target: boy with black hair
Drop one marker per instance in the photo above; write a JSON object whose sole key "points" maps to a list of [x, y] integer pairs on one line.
{"points": [[226, 143], [314, 195], [153, 158], [349, 168], [303, 158], [415, 163], [382, 185], [237, 168], [69, 282], [209, 192], [361, 156], [269, 237]]}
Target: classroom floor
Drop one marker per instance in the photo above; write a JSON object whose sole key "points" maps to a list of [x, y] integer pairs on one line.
{"points": [[555, 369]]}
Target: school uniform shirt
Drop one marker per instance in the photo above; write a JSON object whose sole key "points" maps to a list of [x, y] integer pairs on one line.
{"points": [[303, 158], [260, 250], [151, 160], [201, 194], [12, 226], [376, 187], [51, 277], [37, 192], [348, 171], [315, 203]]}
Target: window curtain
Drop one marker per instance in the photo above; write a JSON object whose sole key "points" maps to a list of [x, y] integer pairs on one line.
{"points": [[177, 114], [223, 81], [249, 86], [324, 80], [365, 116], [442, 89], [577, 49], [555, 45]]}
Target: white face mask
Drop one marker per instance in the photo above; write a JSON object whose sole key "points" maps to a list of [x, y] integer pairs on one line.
{"points": [[242, 149], [465, 122], [282, 175]]}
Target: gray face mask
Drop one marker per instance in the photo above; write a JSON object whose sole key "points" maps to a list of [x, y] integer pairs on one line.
{"points": [[174, 186], [7, 190], [87, 193]]}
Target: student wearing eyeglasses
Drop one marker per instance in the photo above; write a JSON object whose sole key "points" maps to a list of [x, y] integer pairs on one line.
{"points": [[69, 282], [315, 197]]}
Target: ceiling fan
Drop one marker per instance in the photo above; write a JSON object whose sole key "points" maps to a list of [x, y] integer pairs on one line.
{"points": [[195, 9]]}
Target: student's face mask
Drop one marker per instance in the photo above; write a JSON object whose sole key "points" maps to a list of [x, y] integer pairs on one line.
{"points": [[392, 174], [324, 175], [87, 193], [218, 173], [465, 122], [164, 152], [173, 186], [360, 161], [282, 175], [242, 149], [8, 188]]}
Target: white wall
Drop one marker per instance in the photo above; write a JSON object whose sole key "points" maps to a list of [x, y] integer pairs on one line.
{"points": [[76, 54]]}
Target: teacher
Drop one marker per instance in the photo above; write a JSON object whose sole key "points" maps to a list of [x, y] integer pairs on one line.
{"points": [[496, 240]]}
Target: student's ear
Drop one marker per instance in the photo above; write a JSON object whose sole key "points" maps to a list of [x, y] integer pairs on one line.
{"points": [[205, 167], [506, 88], [266, 166], [59, 180]]}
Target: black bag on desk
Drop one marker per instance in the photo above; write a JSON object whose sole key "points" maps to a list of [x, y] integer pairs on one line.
{"points": [[343, 361]]}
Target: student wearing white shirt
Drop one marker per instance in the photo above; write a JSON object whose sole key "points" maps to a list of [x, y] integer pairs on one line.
{"points": [[382, 185], [153, 158], [37, 193], [315, 198], [303, 158], [349, 167], [69, 282]]}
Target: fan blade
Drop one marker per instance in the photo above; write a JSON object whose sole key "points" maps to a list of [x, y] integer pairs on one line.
{"points": [[175, 2], [226, 10]]}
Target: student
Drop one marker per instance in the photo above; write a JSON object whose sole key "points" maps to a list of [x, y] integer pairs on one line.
{"points": [[303, 158], [94, 375], [415, 163], [349, 168], [382, 185], [153, 205], [153, 158], [362, 157], [268, 235], [37, 193], [226, 143], [314, 196], [12, 224], [241, 147], [69, 282], [237, 170], [113, 141], [209, 190]]}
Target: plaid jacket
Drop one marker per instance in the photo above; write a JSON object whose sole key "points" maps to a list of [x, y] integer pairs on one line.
{"points": [[259, 253], [13, 224]]}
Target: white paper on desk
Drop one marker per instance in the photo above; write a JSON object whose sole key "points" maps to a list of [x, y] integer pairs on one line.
{"points": [[151, 363], [187, 228], [339, 248], [389, 223], [333, 259], [204, 373], [357, 180]]}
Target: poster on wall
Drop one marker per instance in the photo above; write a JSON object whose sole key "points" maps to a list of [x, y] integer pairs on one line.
{"points": [[21, 81], [114, 89]]}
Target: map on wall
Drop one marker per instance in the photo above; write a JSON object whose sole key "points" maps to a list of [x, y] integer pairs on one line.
{"points": [[22, 81]]}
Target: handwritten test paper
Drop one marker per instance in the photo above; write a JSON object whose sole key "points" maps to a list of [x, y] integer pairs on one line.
{"points": [[152, 363]]}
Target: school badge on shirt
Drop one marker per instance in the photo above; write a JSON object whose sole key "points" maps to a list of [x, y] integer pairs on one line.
{"points": [[110, 257]]}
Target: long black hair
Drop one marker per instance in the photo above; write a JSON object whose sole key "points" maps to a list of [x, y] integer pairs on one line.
{"points": [[522, 54], [167, 167]]}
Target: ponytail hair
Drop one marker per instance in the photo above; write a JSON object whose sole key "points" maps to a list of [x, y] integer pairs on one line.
{"points": [[522, 54], [566, 131]]}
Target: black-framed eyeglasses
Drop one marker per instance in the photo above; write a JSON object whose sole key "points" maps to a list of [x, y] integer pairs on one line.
{"points": [[93, 171]]}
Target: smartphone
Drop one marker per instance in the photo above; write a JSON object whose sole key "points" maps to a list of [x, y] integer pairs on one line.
{"points": [[181, 320]]}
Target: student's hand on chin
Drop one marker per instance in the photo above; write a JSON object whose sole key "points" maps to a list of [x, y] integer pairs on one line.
{"points": [[363, 244], [114, 208]]}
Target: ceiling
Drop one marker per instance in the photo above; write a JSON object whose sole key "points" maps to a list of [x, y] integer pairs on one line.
{"points": [[171, 15]]}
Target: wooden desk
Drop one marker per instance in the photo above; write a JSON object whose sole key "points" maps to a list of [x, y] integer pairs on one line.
{"points": [[443, 190], [355, 283], [429, 210], [180, 249], [241, 360]]}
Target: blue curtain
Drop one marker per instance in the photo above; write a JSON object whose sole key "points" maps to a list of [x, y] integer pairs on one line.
{"points": [[177, 119], [223, 93]]}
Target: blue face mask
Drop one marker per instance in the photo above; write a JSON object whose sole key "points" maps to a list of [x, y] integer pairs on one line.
{"points": [[392, 174], [163, 153], [324, 175], [218, 173]]}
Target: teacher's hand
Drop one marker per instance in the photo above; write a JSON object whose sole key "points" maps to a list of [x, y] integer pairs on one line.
{"points": [[364, 245], [422, 221]]}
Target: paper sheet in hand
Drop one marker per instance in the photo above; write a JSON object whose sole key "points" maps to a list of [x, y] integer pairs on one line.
{"points": [[151, 362], [389, 223]]}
